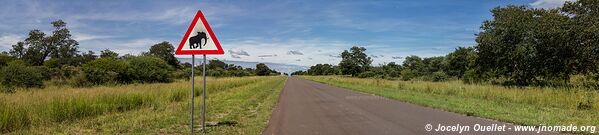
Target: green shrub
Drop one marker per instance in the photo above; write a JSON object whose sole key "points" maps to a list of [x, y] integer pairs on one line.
{"points": [[439, 76], [149, 69], [45, 72], [102, 71], [238, 73], [367, 74], [16, 74], [182, 73], [407, 74], [97, 76], [586, 81]]}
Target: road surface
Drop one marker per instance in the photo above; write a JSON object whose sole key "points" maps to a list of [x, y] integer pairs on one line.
{"points": [[310, 108]]}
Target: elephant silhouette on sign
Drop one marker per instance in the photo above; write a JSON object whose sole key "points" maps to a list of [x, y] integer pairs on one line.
{"points": [[196, 41]]}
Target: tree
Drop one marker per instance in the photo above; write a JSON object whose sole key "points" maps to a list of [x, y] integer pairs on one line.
{"points": [[262, 69], [107, 53], [165, 51], [585, 17], [87, 57], [527, 45], [413, 63], [66, 47], [354, 61], [460, 60], [37, 47], [434, 64], [322, 69], [216, 64], [18, 50]]}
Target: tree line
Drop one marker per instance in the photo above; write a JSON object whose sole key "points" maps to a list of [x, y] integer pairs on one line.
{"points": [[55, 59], [520, 46]]}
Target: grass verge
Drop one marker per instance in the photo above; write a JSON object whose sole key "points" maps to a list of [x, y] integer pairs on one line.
{"points": [[523, 106], [138, 108]]}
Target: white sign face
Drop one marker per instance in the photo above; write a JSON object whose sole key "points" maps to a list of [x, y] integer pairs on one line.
{"points": [[199, 38]]}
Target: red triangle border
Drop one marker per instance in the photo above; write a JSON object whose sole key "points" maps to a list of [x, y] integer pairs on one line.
{"points": [[199, 15]]}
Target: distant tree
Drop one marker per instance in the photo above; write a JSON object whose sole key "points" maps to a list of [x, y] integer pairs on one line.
{"points": [[299, 73], [322, 69], [66, 47], [127, 56], [165, 51], [434, 64], [107, 53], [216, 64], [460, 60], [87, 57], [262, 69], [354, 61], [414, 63], [37, 47], [391, 70], [18, 50]]}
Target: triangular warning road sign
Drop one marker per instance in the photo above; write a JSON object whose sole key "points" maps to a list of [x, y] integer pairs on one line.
{"points": [[199, 38]]}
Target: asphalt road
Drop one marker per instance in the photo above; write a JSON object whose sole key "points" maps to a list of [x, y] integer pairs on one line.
{"points": [[310, 108]]}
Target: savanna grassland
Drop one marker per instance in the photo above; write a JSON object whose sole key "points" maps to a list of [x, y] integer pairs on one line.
{"points": [[523, 106], [235, 105]]}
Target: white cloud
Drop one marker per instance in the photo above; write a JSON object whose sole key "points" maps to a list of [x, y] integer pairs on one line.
{"points": [[238, 52], [548, 3], [6, 41], [85, 37]]}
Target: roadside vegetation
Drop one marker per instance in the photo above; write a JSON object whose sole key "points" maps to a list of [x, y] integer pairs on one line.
{"points": [[47, 85], [523, 106], [529, 66], [237, 105], [55, 60], [519, 47]]}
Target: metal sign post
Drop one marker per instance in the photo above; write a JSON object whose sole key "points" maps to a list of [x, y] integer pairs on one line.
{"points": [[199, 39], [193, 60], [204, 96]]}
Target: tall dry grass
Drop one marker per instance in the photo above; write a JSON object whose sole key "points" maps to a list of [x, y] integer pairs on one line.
{"points": [[567, 98], [54, 104]]}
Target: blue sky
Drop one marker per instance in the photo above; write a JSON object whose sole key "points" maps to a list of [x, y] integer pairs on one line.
{"points": [[302, 32]]}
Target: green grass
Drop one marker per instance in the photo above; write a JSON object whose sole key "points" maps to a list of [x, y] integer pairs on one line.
{"points": [[523, 106], [141, 108]]}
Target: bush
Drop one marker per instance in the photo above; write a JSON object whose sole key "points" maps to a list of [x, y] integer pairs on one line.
{"points": [[45, 72], [149, 69], [407, 74], [439, 76], [184, 73], [97, 76], [366, 74], [586, 81], [102, 71], [470, 77], [16, 74]]}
